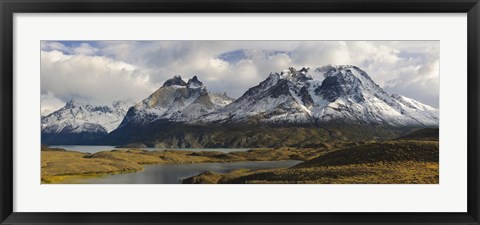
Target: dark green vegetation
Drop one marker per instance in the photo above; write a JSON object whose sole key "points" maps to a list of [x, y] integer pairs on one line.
{"points": [[172, 135]]}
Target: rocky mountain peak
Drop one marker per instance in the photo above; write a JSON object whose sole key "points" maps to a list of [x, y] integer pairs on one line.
{"points": [[73, 103], [344, 71], [175, 80], [296, 76], [194, 83], [349, 82], [76, 117]]}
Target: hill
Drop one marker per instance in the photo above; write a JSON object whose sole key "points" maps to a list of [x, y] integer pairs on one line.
{"points": [[431, 134], [398, 161]]}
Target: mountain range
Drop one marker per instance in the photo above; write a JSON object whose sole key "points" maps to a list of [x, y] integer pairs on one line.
{"points": [[346, 94], [185, 114], [79, 122]]}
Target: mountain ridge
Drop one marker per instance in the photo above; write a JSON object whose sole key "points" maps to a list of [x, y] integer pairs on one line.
{"points": [[79, 121], [291, 98], [346, 93]]}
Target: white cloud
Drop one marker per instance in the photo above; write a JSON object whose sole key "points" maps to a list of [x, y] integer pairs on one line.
{"points": [[52, 45], [84, 49], [97, 79], [136, 68], [49, 103]]}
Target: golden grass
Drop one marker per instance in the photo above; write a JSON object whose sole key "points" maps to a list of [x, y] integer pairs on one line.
{"points": [[399, 162], [372, 173], [206, 177], [134, 156], [65, 163], [386, 151], [68, 179], [60, 166], [388, 162]]}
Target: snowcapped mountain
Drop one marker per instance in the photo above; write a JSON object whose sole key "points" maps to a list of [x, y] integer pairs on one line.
{"points": [[78, 121], [185, 114], [176, 100], [346, 94], [221, 100], [350, 94], [280, 98]]}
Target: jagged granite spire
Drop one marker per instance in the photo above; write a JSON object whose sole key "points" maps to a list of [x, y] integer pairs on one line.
{"points": [[176, 80]]}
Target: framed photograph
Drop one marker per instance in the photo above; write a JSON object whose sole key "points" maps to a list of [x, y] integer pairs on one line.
{"points": [[233, 112]]}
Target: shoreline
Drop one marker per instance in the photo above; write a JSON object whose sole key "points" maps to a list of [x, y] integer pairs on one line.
{"points": [[59, 165], [392, 161]]}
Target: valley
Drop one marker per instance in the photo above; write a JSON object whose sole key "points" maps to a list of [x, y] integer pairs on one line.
{"points": [[409, 159]]}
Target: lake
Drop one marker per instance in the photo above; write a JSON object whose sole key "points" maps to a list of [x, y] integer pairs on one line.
{"points": [[174, 173], [99, 148]]}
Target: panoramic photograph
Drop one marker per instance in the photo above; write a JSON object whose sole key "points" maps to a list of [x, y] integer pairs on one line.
{"points": [[239, 112]]}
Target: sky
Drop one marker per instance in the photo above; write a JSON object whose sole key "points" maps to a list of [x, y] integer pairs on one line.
{"points": [[100, 72]]}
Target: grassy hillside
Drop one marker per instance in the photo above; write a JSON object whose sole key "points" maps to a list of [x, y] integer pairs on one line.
{"points": [[372, 173], [401, 161], [60, 166], [387, 151], [426, 134], [413, 158]]}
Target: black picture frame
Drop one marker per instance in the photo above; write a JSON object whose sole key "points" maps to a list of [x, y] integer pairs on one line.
{"points": [[9, 7]]}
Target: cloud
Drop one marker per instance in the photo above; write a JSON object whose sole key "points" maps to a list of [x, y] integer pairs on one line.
{"points": [[52, 45], [118, 69], [84, 49], [97, 79], [50, 103], [73, 48]]}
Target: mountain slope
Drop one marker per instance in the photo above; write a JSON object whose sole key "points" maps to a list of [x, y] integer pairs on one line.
{"points": [[278, 99], [168, 108], [79, 122], [353, 96], [345, 105], [346, 94], [177, 101]]}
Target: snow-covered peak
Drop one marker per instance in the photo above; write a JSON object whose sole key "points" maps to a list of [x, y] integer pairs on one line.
{"points": [[78, 117], [351, 89], [194, 83], [346, 93], [176, 101], [344, 70], [281, 97], [221, 100], [347, 81], [296, 76], [173, 90], [415, 107], [72, 103]]}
